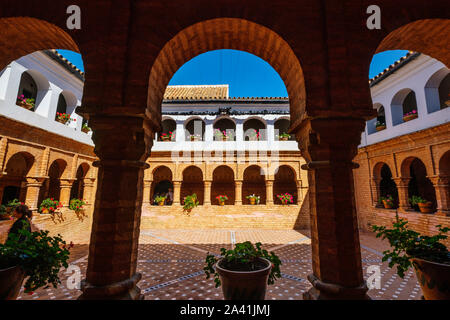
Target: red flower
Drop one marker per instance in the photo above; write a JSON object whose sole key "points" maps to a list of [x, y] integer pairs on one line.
{"points": [[30, 293]]}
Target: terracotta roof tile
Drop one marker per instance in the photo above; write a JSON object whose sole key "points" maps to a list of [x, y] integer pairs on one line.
{"points": [[200, 92]]}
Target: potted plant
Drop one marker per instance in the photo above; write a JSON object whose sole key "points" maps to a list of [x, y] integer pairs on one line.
{"points": [[285, 198], [49, 205], [63, 118], [194, 137], [254, 135], [36, 257], [11, 205], [410, 116], [284, 136], [222, 198], [387, 201], [221, 135], [190, 202], [254, 199], [4, 215], [85, 128], [380, 126], [27, 103], [166, 136], [160, 200], [429, 257], [244, 272], [77, 205], [424, 205]]}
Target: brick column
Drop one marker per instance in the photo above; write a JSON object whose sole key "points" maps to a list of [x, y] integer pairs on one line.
{"points": [[442, 187], [238, 192], [33, 186], [176, 192], [269, 192], [299, 192], [336, 254], [376, 191], [402, 188], [89, 191], [207, 193], [146, 196], [66, 187], [122, 143]]}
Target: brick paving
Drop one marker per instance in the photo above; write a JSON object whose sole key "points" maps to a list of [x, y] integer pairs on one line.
{"points": [[171, 263]]}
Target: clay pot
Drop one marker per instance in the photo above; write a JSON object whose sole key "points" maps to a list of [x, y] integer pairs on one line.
{"points": [[425, 207], [11, 280], [165, 139], [410, 117], [284, 138], [25, 105], [224, 138], [388, 205], [244, 285], [161, 203], [62, 121], [45, 210], [222, 203], [252, 201], [434, 279], [379, 128]]}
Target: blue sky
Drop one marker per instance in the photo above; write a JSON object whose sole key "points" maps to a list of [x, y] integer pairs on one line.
{"points": [[247, 75]]}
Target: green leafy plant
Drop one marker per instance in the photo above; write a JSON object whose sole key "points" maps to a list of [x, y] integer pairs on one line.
{"points": [[2, 209], [13, 204], [159, 199], [285, 135], [85, 128], [40, 256], [50, 204], [285, 198], [407, 244], [415, 200], [244, 257], [76, 204], [380, 124], [29, 101], [190, 202], [222, 198], [389, 200], [253, 196]]}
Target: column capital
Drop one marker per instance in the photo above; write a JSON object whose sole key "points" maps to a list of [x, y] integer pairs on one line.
{"points": [[66, 183], [439, 180], [402, 182], [35, 181]]}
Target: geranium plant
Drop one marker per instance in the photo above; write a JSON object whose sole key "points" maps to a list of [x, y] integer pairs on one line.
{"points": [[76, 205], [411, 113], [222, 198], [166, 136], [29, 101], [284, 136], [40, 257], [244, 257], [407, 244], [254, 134], [4, 214], [64, 118], [389, 200], [190, 202], [50, 205], [285, 198], [11, 205]]}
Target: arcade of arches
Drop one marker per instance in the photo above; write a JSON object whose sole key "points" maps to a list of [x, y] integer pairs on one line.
{"points": [[322, 54]]}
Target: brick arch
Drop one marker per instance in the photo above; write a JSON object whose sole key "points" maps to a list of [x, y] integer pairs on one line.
{"points": [[20, 161], [444, 164], [253, 183], [24, 35], [406, 164], [428, 36], [228, 33], [192, 183], [223, 183], [56, 171], [376, 171], [77, 190], [285, 181]]}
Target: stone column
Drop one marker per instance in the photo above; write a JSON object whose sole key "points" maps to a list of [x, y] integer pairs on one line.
{"points": [[336, 254], [207, 193], [299, 192], [66, 188], [402, 188], [442, 187], [238, 192], [146, 196], [33, 186], [89, 190], [176, 192], [269, 192], [122, 143], [376, 191]]}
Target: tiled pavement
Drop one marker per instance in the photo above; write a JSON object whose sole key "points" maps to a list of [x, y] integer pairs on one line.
{"points": [[171, 263]]}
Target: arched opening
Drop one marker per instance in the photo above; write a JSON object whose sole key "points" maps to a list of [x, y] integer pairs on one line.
{"points": [[17, 168], [444, 165], [224, 128], [378, 123], [168, 130], [285, 183], [77, 191], [254, 130], [281, 127], [28, 91], [192, 183], [254, 183], [53, 185], [419, 185], [162, 185], [223, 184], [62, 105], [404, 106], [437, 90], [195, 130], [387, 186]]}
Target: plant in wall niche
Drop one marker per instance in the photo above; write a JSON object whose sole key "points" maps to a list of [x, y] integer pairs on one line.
{"points": [[77, 205], [254, 135], [380, 126], [410, 115], [194, 137], [85, 128], [244, 272], [31, 255], [64, 118], [190, 202], [254, 199], [388, 202], [160, 200], [285, 198], [27, 103], [284, 136], [222, 198], [424, 205], [166, 136], [222, 135], [429, 257], [49, 205]]}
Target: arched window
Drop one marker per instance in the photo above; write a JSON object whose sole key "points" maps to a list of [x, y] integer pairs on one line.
{"points": [[254, 130], [437, 90], [282, 128], [285, 183], [387, 185], [195, 130], [168, 129], [28, 90], [254, 183], [192, 183], [378, 123], [224, 125], [404, 106], [162, 185], [223, 184], [62, 104]]}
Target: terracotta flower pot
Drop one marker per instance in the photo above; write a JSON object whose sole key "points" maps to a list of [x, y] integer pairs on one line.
{"points": [[224, 138], [388, 205], [222, 203], [165, 139], [379, 128], [434, 279], [252, 201], [161, 203], [63, 121], [426, 207], [410, 117], [284, 138], [25, 105], [11, 280], [85, 130], [45, 210], [244, 285]]}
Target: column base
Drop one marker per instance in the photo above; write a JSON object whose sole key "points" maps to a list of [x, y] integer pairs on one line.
{"points": [[329, 291], [123, 290], [443, 213]]}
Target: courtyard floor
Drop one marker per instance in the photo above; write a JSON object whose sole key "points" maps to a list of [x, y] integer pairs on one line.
{"points": [[171, 263]]}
